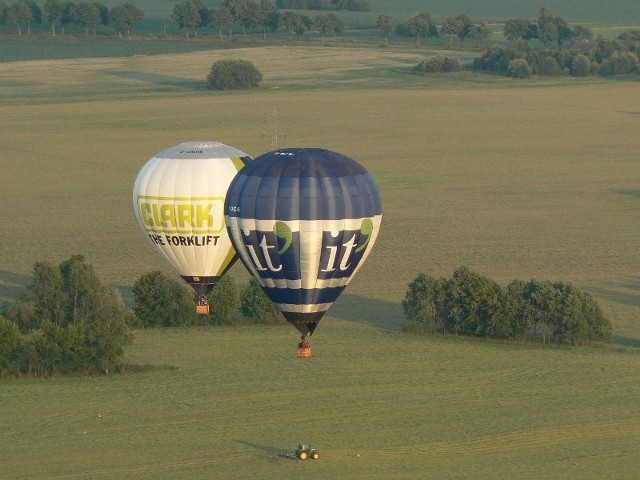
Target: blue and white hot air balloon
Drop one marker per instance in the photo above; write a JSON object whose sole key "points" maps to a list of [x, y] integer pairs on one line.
{"points": [[303, 220]]}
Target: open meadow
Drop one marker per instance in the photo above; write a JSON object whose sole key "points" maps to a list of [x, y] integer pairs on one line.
{"points": [[514, 179]]}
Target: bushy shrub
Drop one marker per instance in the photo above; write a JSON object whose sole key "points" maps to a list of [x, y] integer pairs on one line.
{"points": [[224, 300], [10, 341], [544, 63], [580, 66], [231, 74], [495, 59], [255, 304], [163, 301], [619, 63], [519, 68], [439, 64]]}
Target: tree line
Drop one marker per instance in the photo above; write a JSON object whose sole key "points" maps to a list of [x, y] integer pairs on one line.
{"points": [[70, 322], [60, 14], [471, 304], [575, 52]]}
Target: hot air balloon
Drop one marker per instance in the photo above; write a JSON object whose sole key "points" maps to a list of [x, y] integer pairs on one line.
{"points": [[178, 200], [303, 221]]}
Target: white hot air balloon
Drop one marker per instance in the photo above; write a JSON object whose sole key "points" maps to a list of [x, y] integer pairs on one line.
{"points": [[178, 200]]}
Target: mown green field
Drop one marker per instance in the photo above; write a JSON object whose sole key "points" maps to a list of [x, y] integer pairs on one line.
{"points": [[533, 179], [224, 403]]}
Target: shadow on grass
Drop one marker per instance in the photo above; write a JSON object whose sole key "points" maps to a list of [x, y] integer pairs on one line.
{"points": [[268, 450], [626, 341], [377, 313], [629, 192], [624, 292], [159, 79], [12, 286]]}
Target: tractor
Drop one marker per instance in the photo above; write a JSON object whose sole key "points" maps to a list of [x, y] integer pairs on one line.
{"points": [[306, 451]]}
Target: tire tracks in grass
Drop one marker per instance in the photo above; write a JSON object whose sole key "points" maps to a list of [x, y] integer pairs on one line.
{"points": [[523, 439]]}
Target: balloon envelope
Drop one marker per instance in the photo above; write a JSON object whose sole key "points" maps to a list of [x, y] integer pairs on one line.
{"points": [[178, 200], [303, 220]]}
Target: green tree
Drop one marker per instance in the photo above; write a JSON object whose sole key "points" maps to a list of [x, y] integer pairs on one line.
{"points": [[82, 287], [294, 23], [580, 66], [328, 23], [519, 68], [421, 25], [10, 342], [224, 299], [68, 14], [187, 17], [423, 303], [3, 12], [254, 303], [385, 25], [467, 27], [451, 27], [222, 19], [53, 13], [244, 13], [24, 12], [578, 318], [268, 17], [233, 74], [582, 32], [107, 333], [439, 64], [517, 29], [87, 15], [125, 17], [46, 291], [22, 313], [480, 32], [162, 300]]}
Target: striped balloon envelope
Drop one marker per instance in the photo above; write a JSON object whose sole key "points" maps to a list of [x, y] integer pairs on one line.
{"points": [[178, 201], [303, 221]]}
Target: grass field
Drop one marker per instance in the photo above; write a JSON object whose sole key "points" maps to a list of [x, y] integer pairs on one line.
{"points": [[224, 403], [534, 179]]}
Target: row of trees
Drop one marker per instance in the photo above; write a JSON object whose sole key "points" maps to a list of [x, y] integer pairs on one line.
{"points": [[349, 5], [191, 15], [471, 304], [162, 300], [69, 322], [60, 13], [422, 26]]}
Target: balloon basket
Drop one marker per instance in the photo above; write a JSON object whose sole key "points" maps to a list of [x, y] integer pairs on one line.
{"points": [[202, 309], [303, 352]]}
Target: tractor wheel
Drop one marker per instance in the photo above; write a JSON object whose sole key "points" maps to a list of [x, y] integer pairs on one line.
{"points": [[303, 455], [315, 455]]}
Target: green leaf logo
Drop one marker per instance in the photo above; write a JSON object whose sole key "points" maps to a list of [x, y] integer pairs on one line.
{"points": [[283, 232], [366, 228]]}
